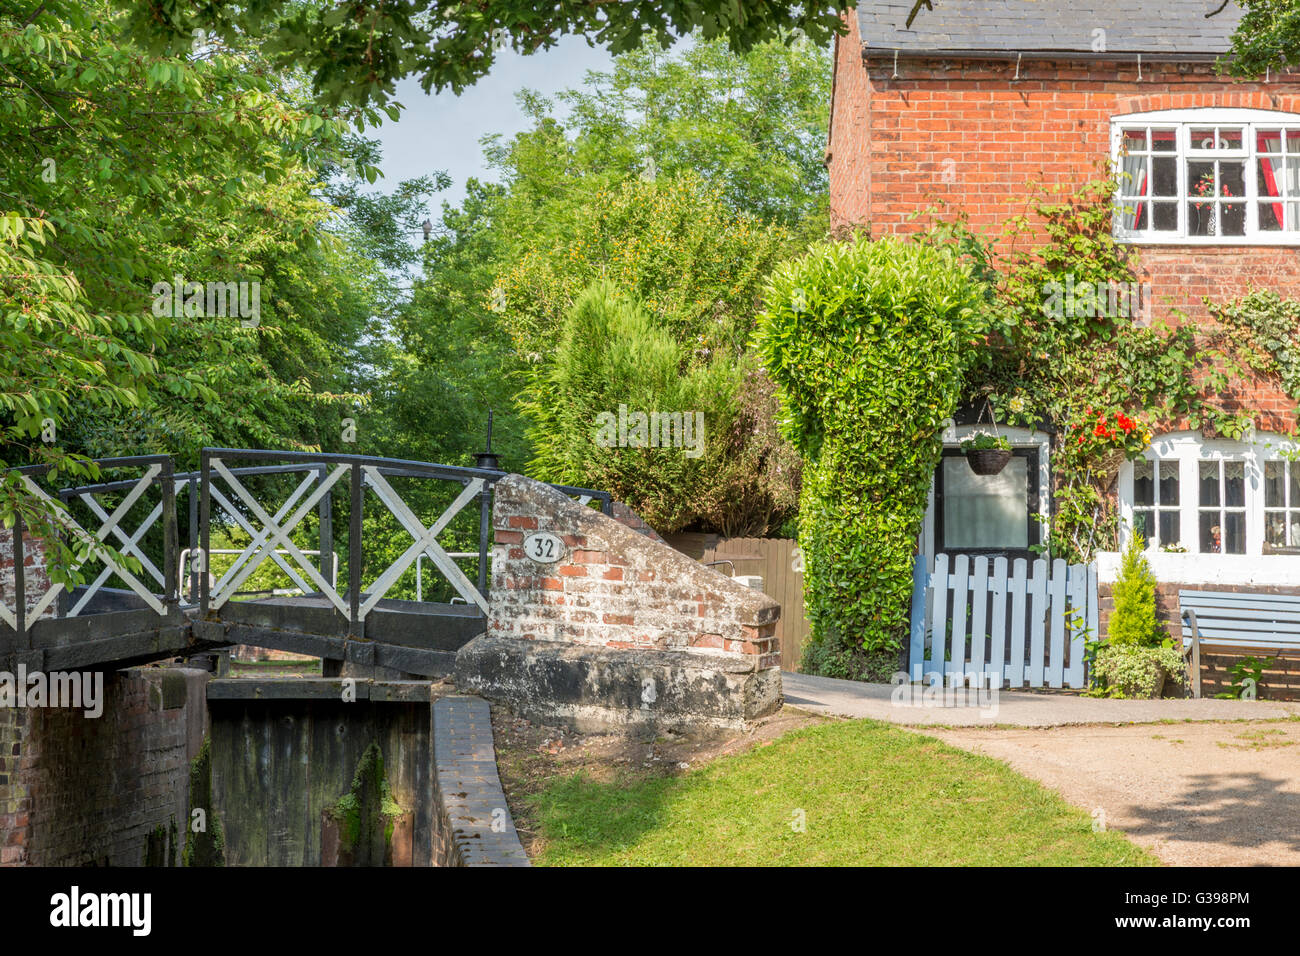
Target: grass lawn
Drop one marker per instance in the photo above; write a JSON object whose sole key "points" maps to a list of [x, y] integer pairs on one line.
{"points": [[870, 794]]}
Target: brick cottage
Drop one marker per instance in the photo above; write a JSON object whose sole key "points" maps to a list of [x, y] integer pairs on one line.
{"points": [[978, 101]]}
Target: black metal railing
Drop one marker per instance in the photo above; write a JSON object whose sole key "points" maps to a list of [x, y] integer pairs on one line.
{"points": [[230, 491]]}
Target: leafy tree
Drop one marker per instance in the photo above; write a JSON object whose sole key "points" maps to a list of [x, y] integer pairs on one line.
{"points": [[357, 51], [1268, 37], [682, 462]]}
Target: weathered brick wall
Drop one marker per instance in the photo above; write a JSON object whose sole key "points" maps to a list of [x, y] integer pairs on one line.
{"points": [[619, 631], [966, 133], [1282, 677], [618, 590], [80, 791]]}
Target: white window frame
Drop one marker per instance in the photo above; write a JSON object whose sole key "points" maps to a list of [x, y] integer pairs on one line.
{"points": [[1189, 449], [1182, 121]]}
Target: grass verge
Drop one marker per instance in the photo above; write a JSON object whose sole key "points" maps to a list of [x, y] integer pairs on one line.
{"points": [[866, 793]]}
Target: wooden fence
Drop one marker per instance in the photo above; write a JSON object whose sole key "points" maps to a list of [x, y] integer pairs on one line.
{"points": [[970, 616], [775, 560]]}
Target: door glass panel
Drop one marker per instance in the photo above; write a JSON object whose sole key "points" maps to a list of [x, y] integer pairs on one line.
{"points": [[985, 511]]}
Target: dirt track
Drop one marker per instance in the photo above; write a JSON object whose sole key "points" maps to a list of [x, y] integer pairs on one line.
{"points": [[1196, 794]]}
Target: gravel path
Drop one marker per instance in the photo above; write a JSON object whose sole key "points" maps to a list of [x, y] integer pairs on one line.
{"points": [[1196, 794]]}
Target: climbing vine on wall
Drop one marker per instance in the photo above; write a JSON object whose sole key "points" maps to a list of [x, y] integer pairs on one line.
{"points": [[1074, 348]]}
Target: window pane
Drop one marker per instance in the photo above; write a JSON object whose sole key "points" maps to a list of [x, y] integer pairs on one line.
{"points": [[1133, 181], [1293, 473], [1134, 139], [1210, 532], [1203, 138], [1234, 484], [1168, 483], [1200, 179], [1209, 483], [1143, 525], [1200, 218], [1230, 138], [1269, 176], [1268, 140], [1234, 532], [1293, 526], [1270, 216], [1274, 489], [1164, 176], [985, 511], [1275, 528], [1135, 216], [1165, 216], [1233, 216], [1143, 487], [1293, 141], [1169, 529], [1166, 141], [1232, 179]]}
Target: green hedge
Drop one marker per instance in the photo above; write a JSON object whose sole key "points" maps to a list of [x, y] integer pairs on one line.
{"points": [[869, 342]]}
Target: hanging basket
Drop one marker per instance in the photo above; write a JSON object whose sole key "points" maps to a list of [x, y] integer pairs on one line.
{"points": [[987, 461]]}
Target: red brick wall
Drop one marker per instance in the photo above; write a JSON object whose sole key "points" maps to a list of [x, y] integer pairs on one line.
{"points": [[615, 588], [892, 141], [78, 791]]}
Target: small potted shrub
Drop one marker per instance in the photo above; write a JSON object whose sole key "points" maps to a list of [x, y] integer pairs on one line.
{"points": [[986, 454]]}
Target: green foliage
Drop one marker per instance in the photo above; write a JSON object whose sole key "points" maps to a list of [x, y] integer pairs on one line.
{"points": [[1267, 37], [693, 263], [1069, 347], [614, 361], [208, 846], [1134, 670], [869, 344], [695, 269], [366, 813], [1247, 678], [357, 52], [1266, 328], [986, 442], [504, 267], [1133, 620]]}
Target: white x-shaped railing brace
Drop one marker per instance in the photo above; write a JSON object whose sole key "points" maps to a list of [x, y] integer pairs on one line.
{"points": [[425, 541], [275, 534], [109, 526], [253, 550]]}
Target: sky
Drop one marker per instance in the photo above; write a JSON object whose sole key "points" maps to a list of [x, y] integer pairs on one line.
{"points": [[442, 131]]}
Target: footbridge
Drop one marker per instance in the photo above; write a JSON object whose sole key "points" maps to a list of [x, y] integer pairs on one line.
{"points": [[374, 561]]}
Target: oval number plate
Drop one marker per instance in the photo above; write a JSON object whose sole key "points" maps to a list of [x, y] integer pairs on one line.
{"points": [[544, 547]]}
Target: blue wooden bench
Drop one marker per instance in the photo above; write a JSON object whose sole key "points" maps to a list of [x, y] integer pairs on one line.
{"points": [[1243, 623]]}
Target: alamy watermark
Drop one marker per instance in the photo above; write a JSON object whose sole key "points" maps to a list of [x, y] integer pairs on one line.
{"points": [[969, 689], [683, 430], [208, 299], [75, 689], [1116, 300]]}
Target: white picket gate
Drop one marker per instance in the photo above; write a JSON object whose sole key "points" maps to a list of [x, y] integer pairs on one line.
{"points": [[971, 617]]}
